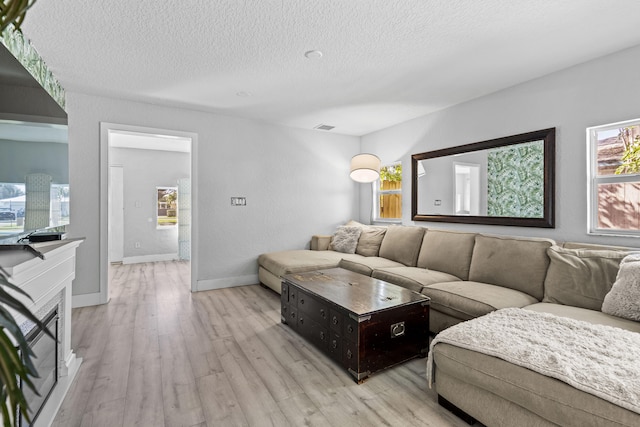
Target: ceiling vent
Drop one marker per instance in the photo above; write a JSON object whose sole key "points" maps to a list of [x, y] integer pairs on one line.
{"points": [[324, 127]]}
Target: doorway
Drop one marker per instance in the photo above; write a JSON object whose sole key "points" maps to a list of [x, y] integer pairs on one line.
{"points": [[466, 188], [136, 161]]}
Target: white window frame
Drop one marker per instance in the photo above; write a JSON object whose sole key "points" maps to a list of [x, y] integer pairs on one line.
{"points": [[375, 186], [593, 180]]}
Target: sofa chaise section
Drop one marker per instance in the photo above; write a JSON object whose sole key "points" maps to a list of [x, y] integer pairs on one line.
{"points": [[497, 392]]}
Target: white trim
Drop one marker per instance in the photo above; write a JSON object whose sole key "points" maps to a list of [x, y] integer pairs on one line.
{"points": [[227, 282], [86, 300], [105, 127], [593, 180], [149, 258]]}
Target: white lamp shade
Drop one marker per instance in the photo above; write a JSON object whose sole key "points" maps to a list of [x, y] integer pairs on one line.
{"points": [[365, 167]]}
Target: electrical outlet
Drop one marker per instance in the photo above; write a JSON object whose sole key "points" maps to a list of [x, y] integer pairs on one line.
{"points": [[136, 245]]}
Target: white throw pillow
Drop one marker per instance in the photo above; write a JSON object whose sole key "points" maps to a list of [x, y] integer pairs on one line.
{"points": [[345, 239], [623, 300]]}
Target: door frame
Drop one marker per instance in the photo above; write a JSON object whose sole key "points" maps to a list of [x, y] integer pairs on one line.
{"points": [[116, 213], [105, 127]]}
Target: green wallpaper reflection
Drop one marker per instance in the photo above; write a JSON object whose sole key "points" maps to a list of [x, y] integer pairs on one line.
{"points": [[24, 51], [515, 178]]}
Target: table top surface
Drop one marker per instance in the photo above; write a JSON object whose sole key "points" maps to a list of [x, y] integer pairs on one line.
{"points": [[355, 292]]}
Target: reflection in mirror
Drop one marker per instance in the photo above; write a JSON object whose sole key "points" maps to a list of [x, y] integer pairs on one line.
{"points": [[34, 176], [34, 166], [506, 181]]}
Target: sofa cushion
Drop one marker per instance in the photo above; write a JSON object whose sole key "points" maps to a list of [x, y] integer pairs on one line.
{"points": [[345, 239], [298, 261], [401, 243], [468, 300], [592, 316], [366, 265], [580, 277], [511, 262], [370, 241], [623, 300], [447, 251], [413, 278]]}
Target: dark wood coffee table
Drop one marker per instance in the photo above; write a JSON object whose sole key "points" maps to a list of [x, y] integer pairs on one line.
{"points": [[363, 324]]}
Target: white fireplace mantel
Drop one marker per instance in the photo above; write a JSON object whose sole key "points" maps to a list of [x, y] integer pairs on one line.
{"points": [[48, 281]]}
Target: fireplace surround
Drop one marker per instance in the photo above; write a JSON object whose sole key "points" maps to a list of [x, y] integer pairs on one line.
{"points": [[47, 279], [47, 357]]}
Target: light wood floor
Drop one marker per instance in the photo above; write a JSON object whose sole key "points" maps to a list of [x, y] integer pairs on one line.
{"points": [[158, 355]]}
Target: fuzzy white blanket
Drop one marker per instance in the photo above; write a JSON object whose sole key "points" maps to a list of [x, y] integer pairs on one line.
{"points": [[597, 359]]}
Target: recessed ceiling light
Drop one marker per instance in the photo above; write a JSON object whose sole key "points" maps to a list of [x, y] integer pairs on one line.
{"points": [[242, 94], [313, 54]]}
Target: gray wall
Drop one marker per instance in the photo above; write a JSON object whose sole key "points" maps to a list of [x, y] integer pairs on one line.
{"points": [[20, 158], [602, 91], [296, 183], [143, 171]]}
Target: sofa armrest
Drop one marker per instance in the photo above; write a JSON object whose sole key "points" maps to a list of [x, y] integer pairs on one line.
{"points": [[320, 242]]}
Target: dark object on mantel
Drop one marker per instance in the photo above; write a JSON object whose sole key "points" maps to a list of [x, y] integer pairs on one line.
{"points": [[46, 236], [363, 324]]}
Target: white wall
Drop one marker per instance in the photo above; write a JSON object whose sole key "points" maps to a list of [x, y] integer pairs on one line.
{"points": [[143, 171], [296, 183], [602, 91]]}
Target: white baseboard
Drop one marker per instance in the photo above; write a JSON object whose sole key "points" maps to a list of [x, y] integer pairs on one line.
{"points": [[149, 258], [85, 300], [227, 282]]}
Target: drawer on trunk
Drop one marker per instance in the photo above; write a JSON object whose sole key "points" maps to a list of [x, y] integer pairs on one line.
{"points": [[313, 308], [313, 331]]}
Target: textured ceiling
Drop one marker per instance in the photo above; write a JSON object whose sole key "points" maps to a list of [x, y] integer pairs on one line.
{"points": [[384, 61]]}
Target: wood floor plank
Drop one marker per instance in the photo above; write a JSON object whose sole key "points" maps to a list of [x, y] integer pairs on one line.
{"points": [[179, 390], [258, 405], [222, 406], [158, 355], [113, 372]]}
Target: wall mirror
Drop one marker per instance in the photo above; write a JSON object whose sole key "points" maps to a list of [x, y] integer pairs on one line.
{"points": [[503, 181], [34, 159]]}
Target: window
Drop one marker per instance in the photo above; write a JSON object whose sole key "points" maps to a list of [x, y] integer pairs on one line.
{"points": [[167, 207], [614, 179], [387, 194]]}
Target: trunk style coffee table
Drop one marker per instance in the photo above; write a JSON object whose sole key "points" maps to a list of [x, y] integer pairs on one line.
{"points": [[363, 324]]}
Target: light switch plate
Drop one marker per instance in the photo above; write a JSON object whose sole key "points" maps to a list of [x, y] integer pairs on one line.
{"points": [[238, 201]]}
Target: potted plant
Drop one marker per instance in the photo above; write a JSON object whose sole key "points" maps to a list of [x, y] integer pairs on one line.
{"points": [[13, 12]]}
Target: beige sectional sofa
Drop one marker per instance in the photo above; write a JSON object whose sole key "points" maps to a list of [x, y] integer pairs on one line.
{"points": [[468, 275]]}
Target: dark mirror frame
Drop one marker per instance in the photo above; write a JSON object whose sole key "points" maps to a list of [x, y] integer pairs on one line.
{"points": [[548, 219]]}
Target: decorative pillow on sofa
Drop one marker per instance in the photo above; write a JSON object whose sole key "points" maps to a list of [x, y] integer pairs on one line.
{"points": [[401, 243], [624, 298], [370, 240], [345, 239], [580, 277]]}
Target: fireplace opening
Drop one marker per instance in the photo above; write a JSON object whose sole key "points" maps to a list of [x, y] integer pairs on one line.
{"points": [[46, 362]]}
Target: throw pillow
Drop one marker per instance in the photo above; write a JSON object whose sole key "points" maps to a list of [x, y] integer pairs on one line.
{"points": [[370, 240], [580, 277], [345, 239], [624, 298]]}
